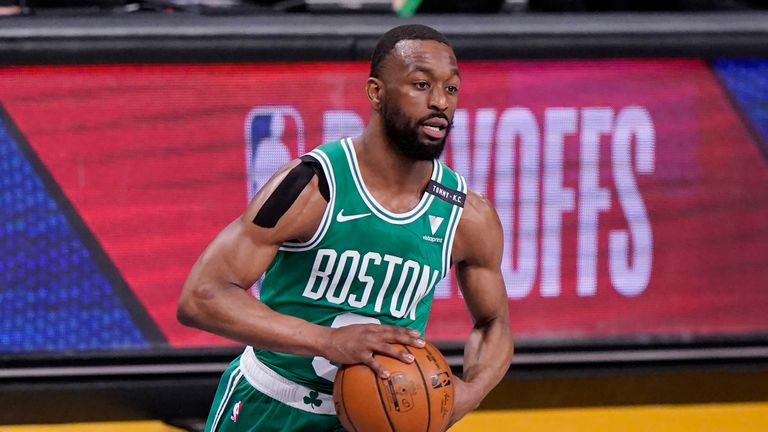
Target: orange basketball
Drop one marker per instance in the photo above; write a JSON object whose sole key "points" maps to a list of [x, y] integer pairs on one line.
{"points": [[416, 396]]}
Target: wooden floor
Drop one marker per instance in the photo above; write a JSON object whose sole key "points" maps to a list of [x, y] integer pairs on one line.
{"points": [[134, 426], [736, 417], [739, 417]]}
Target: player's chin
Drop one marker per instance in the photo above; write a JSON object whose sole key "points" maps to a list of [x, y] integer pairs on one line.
{"points": [[432, 146]]}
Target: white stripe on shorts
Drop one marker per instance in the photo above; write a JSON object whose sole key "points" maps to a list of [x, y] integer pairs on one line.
{"points": [[231, 384]]}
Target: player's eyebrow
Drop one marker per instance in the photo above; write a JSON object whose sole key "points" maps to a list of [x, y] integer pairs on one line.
{"points": [[430, 71]]}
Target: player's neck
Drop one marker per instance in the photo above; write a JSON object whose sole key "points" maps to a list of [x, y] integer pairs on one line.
{"points": [[384, 169]]}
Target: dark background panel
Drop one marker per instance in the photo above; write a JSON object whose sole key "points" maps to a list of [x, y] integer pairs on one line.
{"points": [[194, 38]]}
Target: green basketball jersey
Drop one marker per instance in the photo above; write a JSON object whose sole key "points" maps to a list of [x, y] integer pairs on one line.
{"points": [[364, 264]]}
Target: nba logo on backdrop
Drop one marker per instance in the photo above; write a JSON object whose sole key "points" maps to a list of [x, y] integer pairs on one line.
{"points": [[273, 136]]}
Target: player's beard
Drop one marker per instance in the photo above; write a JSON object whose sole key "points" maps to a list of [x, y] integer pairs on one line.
{"points": [[403, 135]]}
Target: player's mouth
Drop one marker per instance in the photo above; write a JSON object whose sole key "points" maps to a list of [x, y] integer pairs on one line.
{"points": [[435, 127]]}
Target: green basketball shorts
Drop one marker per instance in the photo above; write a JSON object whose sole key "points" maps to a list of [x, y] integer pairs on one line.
{"points": [[252, 397]]}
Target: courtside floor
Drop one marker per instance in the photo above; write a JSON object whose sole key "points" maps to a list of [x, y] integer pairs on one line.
{"points": [[739, 417]]}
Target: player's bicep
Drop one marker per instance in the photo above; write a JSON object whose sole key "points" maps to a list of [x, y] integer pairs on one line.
{"points": [[234, 257], [478, 259]]}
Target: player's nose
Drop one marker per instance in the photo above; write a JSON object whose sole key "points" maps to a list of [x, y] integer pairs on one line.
{"points": [[438, 101]]}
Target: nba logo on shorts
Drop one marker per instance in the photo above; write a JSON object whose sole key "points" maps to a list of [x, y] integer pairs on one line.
{"points": [[274, 135], [236, 411]]}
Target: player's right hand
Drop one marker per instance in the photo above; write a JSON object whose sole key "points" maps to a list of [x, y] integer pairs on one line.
{"points": [[357, 343]]}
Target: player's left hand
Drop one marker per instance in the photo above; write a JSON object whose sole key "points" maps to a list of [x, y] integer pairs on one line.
{"points": [[466, 399]]}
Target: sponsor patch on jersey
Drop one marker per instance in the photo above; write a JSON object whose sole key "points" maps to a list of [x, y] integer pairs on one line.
{"points": [[432, 239], [446, 194], [434, 223]]}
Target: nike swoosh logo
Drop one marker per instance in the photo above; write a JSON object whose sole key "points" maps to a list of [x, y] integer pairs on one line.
{"points": [[345, 218]]}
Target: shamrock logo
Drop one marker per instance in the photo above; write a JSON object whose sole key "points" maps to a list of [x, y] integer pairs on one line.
{"points": [[312, 399]]}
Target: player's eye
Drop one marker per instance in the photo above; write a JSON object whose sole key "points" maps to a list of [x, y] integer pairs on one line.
{"points": [[452, 89], [421, 85]]}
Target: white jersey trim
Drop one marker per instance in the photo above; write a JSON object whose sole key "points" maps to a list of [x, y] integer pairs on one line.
{"points": [[370, 201], [281, 389], [325, 222], [453, 224]]}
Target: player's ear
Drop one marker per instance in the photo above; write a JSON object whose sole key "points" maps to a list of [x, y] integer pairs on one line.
{"points": [[374, 89]]}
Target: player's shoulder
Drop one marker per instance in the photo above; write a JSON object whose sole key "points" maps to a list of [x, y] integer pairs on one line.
{"points": [[478, 210], [479, 234], [296, 193]]}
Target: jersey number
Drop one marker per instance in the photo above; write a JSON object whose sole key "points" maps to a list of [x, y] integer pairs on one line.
{"points": [[324, 368]]}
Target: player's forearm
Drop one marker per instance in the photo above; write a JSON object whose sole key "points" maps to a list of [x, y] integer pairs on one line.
{"points": [[487, 354], [230, 311]]}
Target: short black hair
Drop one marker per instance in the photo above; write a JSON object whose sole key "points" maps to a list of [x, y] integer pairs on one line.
{"points": [[404, 32]]}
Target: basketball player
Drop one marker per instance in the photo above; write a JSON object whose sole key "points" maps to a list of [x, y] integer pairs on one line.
{"points": [[352, 239]]}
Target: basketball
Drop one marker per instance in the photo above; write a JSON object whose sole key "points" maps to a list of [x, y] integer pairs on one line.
{"points": [[416, 396]]}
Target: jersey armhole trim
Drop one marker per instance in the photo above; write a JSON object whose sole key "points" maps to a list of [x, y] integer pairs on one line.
{"points": [[325, 222], [453, 223]]}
